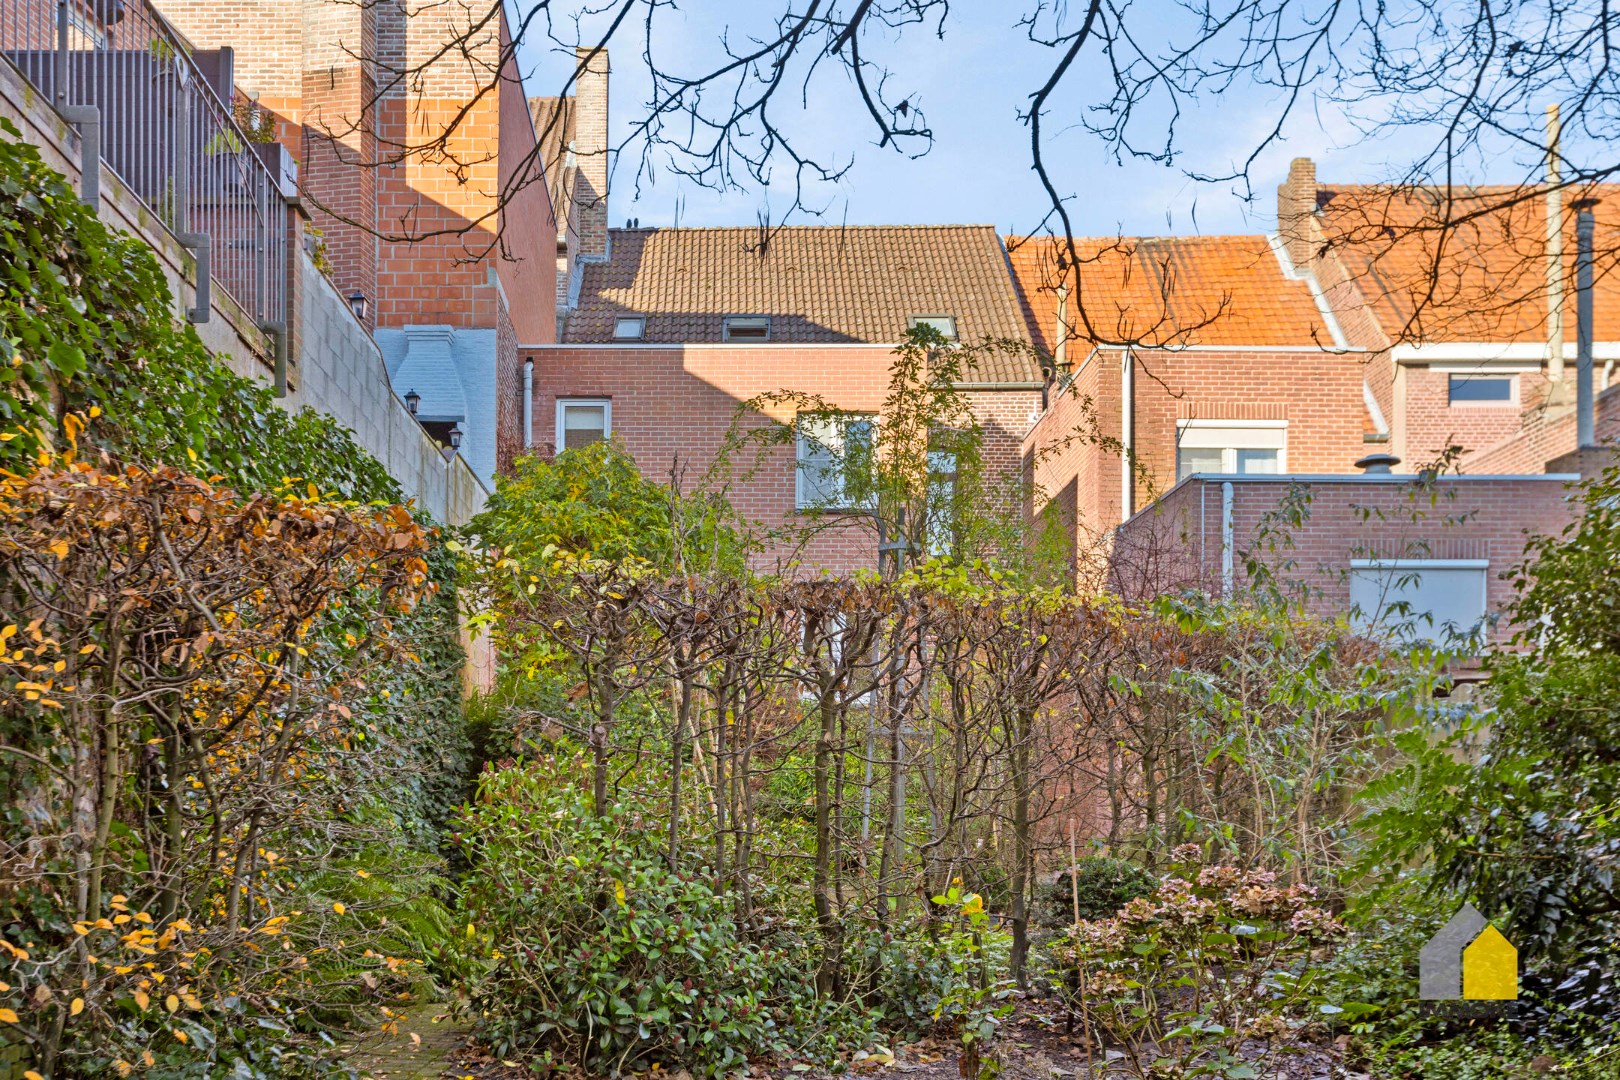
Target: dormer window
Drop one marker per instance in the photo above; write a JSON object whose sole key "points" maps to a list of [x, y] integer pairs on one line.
{"points": [[747, 328], [630, 328], [944, 324]]}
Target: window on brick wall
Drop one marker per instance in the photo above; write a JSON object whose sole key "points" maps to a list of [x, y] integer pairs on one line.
{"points": [[1482, 390], [582, 421], [1245, 447], [747, 328], [833, 456], [1418, 599]]}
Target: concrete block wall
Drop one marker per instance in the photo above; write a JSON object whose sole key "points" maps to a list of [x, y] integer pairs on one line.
{"points": [[344, 376]]}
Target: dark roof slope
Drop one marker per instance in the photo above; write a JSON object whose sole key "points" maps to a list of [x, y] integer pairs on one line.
{"points": [[1170, 291], [820, 285], [553, 119]]}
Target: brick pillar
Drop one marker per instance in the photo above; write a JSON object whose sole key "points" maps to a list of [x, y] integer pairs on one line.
{"points": [[590, 209], [340, 141], [1296, 212]]}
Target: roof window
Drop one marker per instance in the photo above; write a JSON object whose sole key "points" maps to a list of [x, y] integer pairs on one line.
{"points": [[630, 328], [747, 328], [945, 324]]}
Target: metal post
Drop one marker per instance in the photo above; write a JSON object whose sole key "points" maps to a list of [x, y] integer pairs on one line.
{"points": [[1555, 258], [196, 242], [1585, 421], [61, 75], [1226, 539]]}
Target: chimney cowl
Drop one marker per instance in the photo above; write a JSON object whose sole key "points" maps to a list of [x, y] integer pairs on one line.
{"points": [[1378, 464]]}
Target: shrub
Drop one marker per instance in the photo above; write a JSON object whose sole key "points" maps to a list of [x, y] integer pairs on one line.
{"points": [[601, 956], [1105, 884], [1207, 977]]}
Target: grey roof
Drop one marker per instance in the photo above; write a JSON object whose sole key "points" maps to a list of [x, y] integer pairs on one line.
{"points": [[453, 370]]}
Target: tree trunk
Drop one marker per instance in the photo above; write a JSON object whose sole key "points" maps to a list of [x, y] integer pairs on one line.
{"points": [[1019, 905], [821, 883]]}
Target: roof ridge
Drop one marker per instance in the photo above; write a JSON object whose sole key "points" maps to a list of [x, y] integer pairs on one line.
{"points": [[782, 228]]}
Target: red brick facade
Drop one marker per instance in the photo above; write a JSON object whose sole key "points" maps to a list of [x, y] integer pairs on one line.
{"points": [[672, 407], [1178, 542]]}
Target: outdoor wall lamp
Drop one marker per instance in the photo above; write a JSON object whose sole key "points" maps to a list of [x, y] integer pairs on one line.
{"points": [[455, 438], [358, 304], [412, 401]]}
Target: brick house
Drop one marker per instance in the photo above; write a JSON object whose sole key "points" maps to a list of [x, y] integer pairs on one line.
{"points": [[1451, 289], [449, 242], [676, 328], [1188, 354], [1468, 333]]}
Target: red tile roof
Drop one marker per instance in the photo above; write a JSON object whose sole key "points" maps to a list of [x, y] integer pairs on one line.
{"points": [[1182, 290], [820, 284], [1468, 267]]}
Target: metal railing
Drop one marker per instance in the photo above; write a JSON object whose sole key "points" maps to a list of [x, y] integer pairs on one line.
{"points": [[163, 115]]}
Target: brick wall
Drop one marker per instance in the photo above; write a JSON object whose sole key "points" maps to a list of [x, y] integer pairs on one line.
{"points": [[674, 405], [1318, 393], [1546, 437], [1430, 422], [1178, 542], [589, 216], [528, 227]]}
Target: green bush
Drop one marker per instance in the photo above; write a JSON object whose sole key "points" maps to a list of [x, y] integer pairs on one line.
{"points": [[1106, 884], [600, 956]]}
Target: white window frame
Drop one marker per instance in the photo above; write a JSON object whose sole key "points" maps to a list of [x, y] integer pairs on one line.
{"points": [[564, 404], [1393, 571], [801, 500], [1230, 436], [641, 327], [725, 329]]}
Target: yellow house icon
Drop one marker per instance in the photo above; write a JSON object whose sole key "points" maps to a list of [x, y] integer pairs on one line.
{"points": [[1490, 968]]}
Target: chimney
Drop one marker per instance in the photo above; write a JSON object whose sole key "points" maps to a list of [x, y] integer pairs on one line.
{"points": [[590, 209], [1555, 259], [1296, 209], [1378, 464]]}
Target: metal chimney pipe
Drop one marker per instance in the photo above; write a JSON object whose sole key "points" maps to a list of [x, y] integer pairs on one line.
{"points": [[1585, 421], [1555, 253]]}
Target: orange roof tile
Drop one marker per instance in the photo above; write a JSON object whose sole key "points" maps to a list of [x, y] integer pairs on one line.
{"points": [[1471, 267], [821, 284], [1167, 291]]}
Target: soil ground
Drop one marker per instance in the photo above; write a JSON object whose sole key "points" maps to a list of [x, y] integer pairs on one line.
{"points": [[1033, 1045]]}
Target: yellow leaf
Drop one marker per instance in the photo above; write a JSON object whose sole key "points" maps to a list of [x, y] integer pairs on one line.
{"points": [[8, 1016], [95, 411], [339, 908], [77, 1007], [141, 999], [314, 493], [172, 1003], [32, 1075]]}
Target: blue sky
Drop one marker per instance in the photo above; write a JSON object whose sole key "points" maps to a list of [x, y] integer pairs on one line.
{"points": [[972, 84]]}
